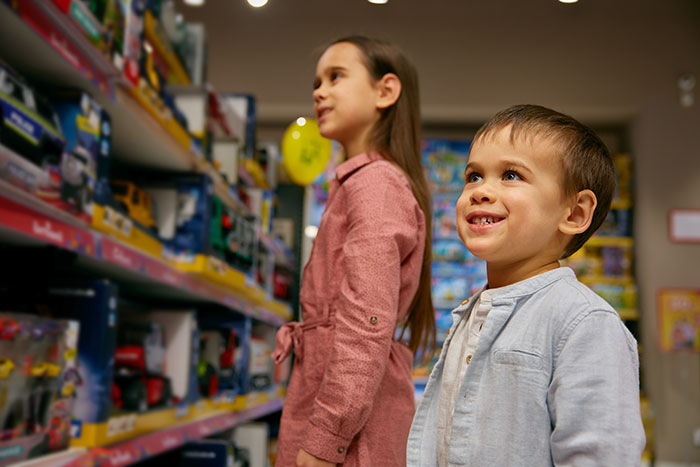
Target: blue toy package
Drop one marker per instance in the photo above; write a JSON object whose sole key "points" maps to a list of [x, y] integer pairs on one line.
{"points": [[618, 223], [445, 216], [93, 303], [85, 162], [197, 453], [453, 282], [445, 249], [444, 161], [193, 214]]}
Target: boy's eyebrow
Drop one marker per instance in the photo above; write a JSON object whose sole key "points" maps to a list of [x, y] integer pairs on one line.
{"points": [[515, 164], [510, 163]]}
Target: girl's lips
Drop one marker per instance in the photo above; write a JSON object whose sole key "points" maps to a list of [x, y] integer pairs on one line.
{"points": [[322, 112]]}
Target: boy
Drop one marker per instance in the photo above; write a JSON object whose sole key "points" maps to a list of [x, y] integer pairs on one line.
{"points": [[537, 369]]}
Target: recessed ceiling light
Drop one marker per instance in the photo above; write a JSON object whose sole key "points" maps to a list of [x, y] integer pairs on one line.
{"points": [[257, 3], [194, 2], [378, 2], [568, 1]]}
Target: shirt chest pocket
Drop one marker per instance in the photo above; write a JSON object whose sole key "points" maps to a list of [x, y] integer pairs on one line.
{"points": [[519, 358]]}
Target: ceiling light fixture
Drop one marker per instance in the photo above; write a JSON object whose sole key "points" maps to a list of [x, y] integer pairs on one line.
{"points": [[378, 2], [194, 2], [257, 3], [568, 1]]}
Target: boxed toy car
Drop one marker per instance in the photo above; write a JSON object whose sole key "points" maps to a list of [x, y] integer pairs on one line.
{"points": [[31, 140], [224, 353], [37, 384], [154, 365]]}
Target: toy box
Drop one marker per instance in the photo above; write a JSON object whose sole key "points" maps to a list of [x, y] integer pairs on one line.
{"points": [[445, 216], [261, 369], [84, 167], [233, 237], [37, 384], [153, 359], [225, 353], [445, 161], [244, 128], [31, 136], [94, 304], [454, 282], [183, 212], [198, 453]]}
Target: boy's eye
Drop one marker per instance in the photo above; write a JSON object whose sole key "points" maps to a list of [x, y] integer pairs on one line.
{"points": [[511, 175], [335, 75], [472, 177]]}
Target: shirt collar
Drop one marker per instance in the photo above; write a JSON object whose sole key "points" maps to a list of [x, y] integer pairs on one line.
{"points": [[354, 163], [523, 287]]}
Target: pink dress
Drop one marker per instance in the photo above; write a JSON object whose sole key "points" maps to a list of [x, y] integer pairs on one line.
{"points": [[351, 397]]}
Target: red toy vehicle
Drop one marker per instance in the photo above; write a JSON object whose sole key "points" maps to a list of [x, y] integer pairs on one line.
{"points": [[139, 360], [9, 328]]}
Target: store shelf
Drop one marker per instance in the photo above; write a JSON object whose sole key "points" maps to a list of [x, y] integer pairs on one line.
{"points": [[27, 220], [203, 419], [599, 240], [628, 314], [154, 35], [607, 280], [621, 204], [59, 51], [139, 138]]}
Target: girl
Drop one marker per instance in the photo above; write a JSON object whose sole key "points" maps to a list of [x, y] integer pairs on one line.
{"points": [[351, 398]]}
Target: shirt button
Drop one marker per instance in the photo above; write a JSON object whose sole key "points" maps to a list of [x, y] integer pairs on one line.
{"points": [[341, 449], [469, 359], [373, 320]]}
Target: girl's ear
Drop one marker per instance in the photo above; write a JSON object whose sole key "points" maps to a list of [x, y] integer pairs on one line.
{"points": [[581, 213], [389, 90]]}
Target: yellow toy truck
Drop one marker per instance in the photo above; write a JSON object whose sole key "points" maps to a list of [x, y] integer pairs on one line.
{"points": [[136, 202]]}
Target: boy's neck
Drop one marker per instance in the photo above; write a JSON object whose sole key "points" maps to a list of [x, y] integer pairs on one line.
{"points": [[500, 277]]}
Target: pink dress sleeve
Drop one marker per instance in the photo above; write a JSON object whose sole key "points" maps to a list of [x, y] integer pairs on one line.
{"points": [[383, 219]]}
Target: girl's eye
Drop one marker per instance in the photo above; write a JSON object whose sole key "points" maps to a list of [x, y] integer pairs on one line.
{"points": [[472, 177], [511, 175], [335, 75]]}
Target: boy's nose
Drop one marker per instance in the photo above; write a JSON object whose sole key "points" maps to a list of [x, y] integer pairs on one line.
{"points": [[481, 195]]}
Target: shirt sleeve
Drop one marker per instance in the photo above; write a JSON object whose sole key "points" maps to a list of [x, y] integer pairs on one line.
{"points": [[594, 395], [383, 230]]}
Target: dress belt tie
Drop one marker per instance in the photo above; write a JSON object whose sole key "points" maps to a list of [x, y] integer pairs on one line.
{"points": [[292, 335]]}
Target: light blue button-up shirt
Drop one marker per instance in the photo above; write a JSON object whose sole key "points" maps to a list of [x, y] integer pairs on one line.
{"points": [[554, 380]]}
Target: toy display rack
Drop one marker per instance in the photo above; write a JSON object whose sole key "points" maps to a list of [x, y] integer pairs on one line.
{"points": [[25, 219], [197, 421], [62, 56]]}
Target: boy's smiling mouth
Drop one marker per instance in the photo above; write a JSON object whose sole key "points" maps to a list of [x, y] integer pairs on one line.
{"points": [[483, 219]]}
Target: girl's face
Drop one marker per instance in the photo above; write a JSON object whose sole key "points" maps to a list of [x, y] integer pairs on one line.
{"points": [[345, 98]]}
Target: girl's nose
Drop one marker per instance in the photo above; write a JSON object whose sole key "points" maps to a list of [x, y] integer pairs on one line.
{"points": [[319, 93]]}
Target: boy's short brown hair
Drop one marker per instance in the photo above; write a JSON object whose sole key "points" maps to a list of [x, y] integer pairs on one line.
{"points": [[586, 160]]}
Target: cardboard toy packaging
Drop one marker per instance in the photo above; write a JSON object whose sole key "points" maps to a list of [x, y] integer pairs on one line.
{"points": [[38, 379]]}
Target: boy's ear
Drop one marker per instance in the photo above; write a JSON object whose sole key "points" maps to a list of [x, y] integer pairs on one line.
{"points": [[389, 90], [580, 214]]}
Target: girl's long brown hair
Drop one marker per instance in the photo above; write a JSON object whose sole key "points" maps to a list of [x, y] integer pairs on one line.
{"points": [[397, 137]]}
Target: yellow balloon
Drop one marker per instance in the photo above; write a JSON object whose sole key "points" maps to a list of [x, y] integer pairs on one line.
{"points": [[305, 152]]}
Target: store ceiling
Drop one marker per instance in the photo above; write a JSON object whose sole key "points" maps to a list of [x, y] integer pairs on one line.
{"points": [[597, 59]]}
